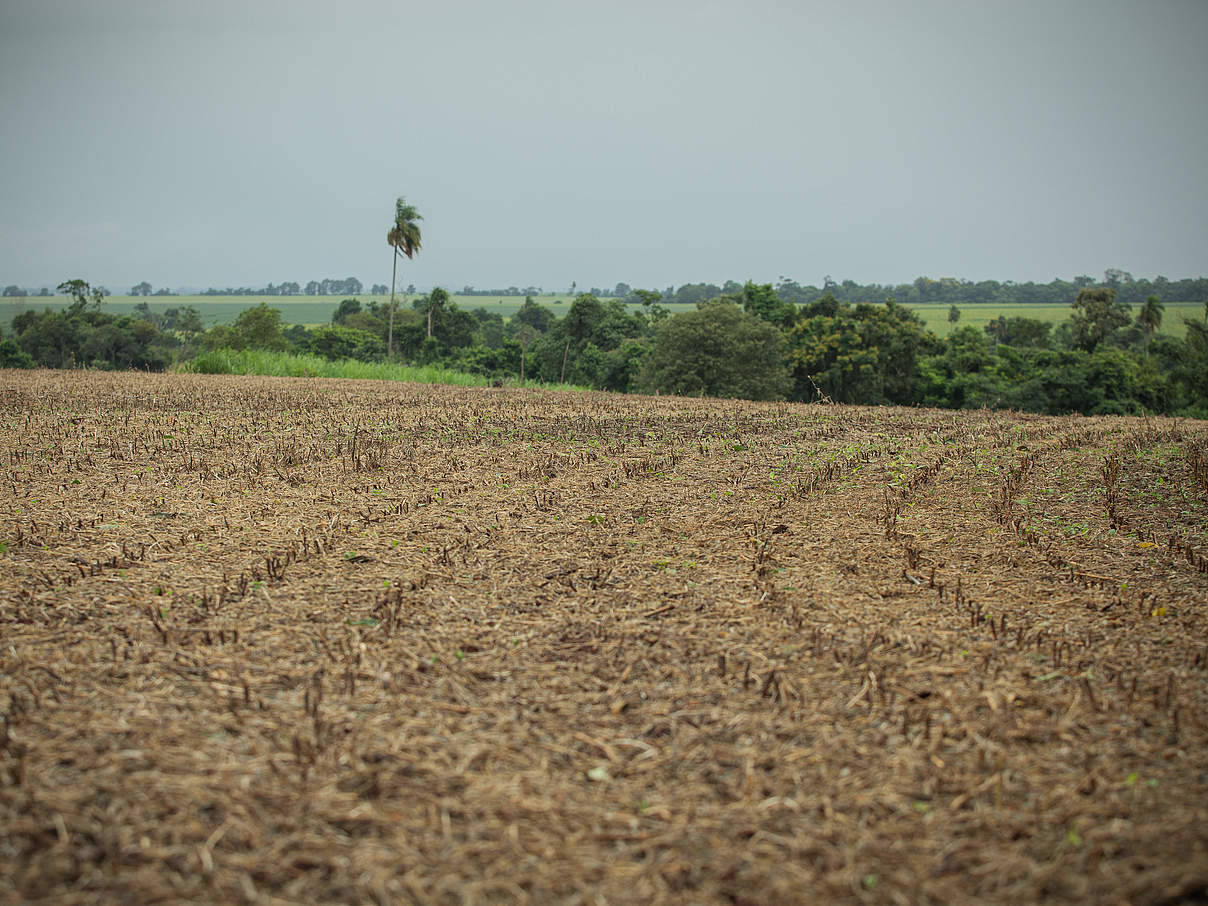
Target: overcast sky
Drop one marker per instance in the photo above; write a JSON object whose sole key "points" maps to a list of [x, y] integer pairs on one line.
{"points": [[655, 142]]}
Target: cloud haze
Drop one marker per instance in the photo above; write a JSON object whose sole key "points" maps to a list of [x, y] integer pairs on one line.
{"points": [[546, 141]]}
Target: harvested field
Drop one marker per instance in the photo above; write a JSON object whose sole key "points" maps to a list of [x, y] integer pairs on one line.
{"points": [[286, 641]]}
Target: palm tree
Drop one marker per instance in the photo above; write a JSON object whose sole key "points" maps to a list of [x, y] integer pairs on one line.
{"points": [[404, 238], [1151, 314], [1150, 319]]}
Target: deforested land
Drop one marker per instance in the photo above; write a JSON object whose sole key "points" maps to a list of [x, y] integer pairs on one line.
{"points": [[272, 640]]}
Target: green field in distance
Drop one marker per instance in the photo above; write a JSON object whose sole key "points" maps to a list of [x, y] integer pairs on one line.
{"points": [[316, 310]]}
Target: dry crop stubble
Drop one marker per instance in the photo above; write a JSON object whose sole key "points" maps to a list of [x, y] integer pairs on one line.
{"points": [[279, 640]]}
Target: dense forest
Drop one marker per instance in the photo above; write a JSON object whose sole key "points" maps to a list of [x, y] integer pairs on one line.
{"points": [[754, 341]]}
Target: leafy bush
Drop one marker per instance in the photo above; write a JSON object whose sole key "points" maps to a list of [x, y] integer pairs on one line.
{"points": [[13, 356], [334, 343], [718, 350]]}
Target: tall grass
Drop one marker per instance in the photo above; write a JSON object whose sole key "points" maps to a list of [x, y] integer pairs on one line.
{"points": [[289, 364]]}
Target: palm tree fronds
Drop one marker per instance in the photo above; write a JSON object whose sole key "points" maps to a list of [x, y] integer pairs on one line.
{"points": [[403, 236]]}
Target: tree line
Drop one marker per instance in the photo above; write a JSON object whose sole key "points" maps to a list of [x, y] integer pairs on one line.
{"points": [[330, 286], [922, 290], [752, 343], [954, 291]]}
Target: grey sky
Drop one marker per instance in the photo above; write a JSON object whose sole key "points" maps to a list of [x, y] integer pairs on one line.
{"points": [[647, 141]]}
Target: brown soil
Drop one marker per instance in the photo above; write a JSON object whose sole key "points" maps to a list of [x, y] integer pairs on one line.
{"points": [[285, 641]]}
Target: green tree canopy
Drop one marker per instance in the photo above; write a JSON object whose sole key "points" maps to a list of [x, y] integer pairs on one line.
{"points": [[1014, 331], [338, 342], [344, 309], [538, 317], [82, 334], [82, 292], [718, 350], [864, 353], [260, 328], [762, 301], [186, 321], [435, 301], [1097, 314]]}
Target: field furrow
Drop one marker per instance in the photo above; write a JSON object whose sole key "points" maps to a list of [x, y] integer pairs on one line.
{"points": [[316, 641]]}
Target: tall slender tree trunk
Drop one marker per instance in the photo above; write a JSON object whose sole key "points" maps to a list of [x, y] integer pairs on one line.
{"points": [[390, 330], [562, 379]]}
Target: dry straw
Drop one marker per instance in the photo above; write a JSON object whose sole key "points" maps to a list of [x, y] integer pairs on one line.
{"points": [[285, 641]]}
